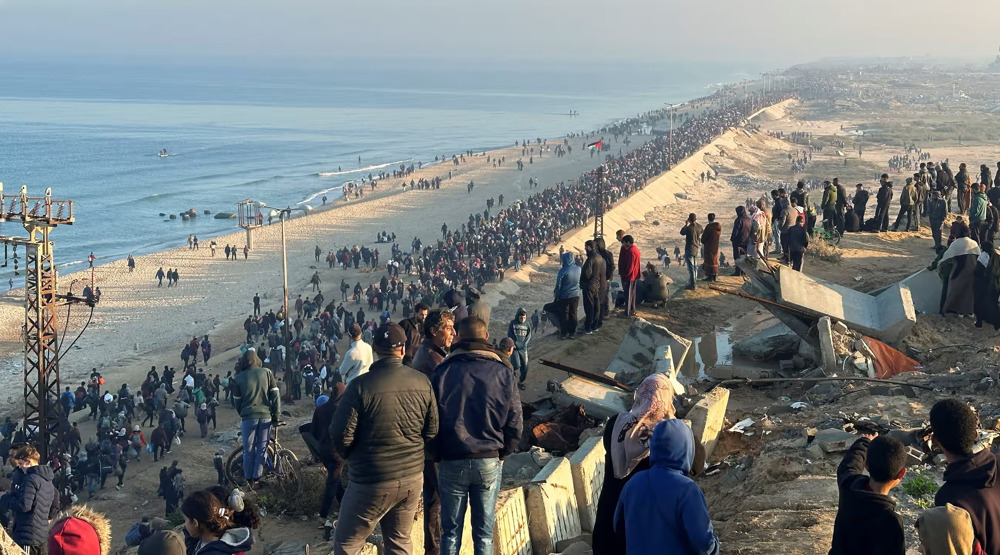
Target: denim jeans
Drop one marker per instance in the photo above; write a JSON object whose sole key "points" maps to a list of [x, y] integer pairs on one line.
{"points": [[476, 481], [519, 360], [256, 432], [691, 261]]}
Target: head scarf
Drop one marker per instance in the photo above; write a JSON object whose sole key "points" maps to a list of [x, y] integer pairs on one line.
{"points": [[961, 247], [654, 401], [946, 530]]}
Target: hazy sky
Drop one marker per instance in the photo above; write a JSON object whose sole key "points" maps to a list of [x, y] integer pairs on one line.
{"points": [[767, 31]]}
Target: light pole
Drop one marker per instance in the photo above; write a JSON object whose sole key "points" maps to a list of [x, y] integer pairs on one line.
{"points": [[284, 275]]}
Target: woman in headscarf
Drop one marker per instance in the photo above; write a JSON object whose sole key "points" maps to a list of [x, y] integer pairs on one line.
{"points": [[957, 269], [987, 287], [626, 443], [947, 530]]}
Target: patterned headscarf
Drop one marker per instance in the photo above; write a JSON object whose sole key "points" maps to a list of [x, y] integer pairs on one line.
{"points": [[654, 401]]}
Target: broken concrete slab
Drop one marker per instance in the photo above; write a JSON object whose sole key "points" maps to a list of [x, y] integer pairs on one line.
{"points": [[925, 290], [834, 441], [725, 372], [638, 349], [599, 400], [510, 534], [887, 317], [708, 417], [777, 341], [826, 349], [587, 465], [553, 513]]}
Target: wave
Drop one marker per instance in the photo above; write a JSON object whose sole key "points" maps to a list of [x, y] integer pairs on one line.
{"points": [[365, 169]]}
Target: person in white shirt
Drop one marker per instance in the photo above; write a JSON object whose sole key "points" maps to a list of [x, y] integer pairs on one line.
{"points": [[358, 358]]}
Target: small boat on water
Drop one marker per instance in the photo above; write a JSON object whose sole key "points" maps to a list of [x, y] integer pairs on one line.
{"points": [[163, 153]]}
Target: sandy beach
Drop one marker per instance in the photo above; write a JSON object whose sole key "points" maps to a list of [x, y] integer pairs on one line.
{"points": [[137, 320]]}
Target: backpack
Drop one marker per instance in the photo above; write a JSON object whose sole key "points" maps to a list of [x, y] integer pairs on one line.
{"points": [[136, 440]]}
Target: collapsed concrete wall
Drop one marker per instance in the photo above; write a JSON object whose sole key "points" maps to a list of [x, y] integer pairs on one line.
{"points": [[588, 469], [553, 512], [887, 317]]}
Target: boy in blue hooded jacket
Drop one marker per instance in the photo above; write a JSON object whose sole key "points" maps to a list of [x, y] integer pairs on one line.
{"points": [[661, 510]]}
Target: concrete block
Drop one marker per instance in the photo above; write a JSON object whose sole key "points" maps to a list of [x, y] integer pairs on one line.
{"points": [[639, 346], [585, 538], [599, 400], [510, 534], [553, 513], [925, 290], [738, 372], [663, 363], [587, 465], [777, 341], [834, 441], [826, 350], [708, 417], [887, 317]]}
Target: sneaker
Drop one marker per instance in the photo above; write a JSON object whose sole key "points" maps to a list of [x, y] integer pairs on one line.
{"points": [[119, 488], [520, 385], [588, 332], [328, 524]]}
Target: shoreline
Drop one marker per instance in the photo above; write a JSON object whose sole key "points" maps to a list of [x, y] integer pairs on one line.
{"points": [[137, 319]]}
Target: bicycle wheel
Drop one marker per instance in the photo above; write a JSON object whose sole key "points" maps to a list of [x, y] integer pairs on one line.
{"points": [[287, 473], [234, 466]]}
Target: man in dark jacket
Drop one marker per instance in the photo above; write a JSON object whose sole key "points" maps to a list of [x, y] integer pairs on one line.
{"points": [[381, 426], [937, 210], [30, 498], [970, 479], [861, 202], [592, 282], [414, 328], [439, 333], [609, 272], [740, 236], [866, 521], [692, 245], [883, 200], [331, 459], [841, 204], [797, 240], [480, 411]]}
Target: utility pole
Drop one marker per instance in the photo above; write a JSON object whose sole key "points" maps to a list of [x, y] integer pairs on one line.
{"points": [[599, 203], [39, 215]]}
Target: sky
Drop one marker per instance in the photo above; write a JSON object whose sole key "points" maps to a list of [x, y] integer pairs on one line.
{"points": [[778, 32]]}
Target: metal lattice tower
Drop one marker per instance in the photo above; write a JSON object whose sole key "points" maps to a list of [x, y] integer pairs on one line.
{"points": [[38, 215], [599, 203]]}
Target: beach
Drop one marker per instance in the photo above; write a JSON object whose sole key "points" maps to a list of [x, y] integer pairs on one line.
{"points": [[138, 321]]}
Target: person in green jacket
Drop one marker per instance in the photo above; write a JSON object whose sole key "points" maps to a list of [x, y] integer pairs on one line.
{"points": [[255, 392], [977, 214]]}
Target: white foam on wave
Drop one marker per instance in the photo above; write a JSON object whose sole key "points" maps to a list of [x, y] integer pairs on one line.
{"points": [[365, 169]]}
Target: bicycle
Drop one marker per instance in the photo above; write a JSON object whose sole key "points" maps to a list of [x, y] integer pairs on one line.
{"points": [[830, 233], [281, 465]]}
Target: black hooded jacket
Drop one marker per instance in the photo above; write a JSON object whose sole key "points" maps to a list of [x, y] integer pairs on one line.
{"points": [[866, 521], [972, 485], [30, 498]]}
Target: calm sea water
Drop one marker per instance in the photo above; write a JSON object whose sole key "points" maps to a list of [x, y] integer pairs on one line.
{"points": [[91, 132]]}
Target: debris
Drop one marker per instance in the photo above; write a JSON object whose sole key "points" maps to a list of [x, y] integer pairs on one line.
{"points": [[834, 441], [799, 405], [708, 416], [826, 348], [775, 342], [741, 425]]}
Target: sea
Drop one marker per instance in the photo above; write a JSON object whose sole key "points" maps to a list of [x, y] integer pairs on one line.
{"points": [[280, 133]]}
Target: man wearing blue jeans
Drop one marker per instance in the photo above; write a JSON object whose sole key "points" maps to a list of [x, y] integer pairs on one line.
{"points": [[480, 423], [692, 245], [255, 392]]}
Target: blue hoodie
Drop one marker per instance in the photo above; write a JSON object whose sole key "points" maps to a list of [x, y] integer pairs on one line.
{"points": [[661, 510], [568, 279]]}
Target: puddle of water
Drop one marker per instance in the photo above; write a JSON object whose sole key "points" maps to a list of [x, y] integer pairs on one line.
{"points": [[715, 349]]}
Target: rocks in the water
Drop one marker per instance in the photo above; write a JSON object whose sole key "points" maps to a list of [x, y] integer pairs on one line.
{"points": [[162, 214], [185, 217], [224, 215], [207, 212], [173, 216]]}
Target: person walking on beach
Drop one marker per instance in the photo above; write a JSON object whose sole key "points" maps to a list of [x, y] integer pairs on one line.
{"points": [[131, 263], [256, 304], [246, 251], [227, 252], [212, 247], [91, 259], [159, 276]]}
